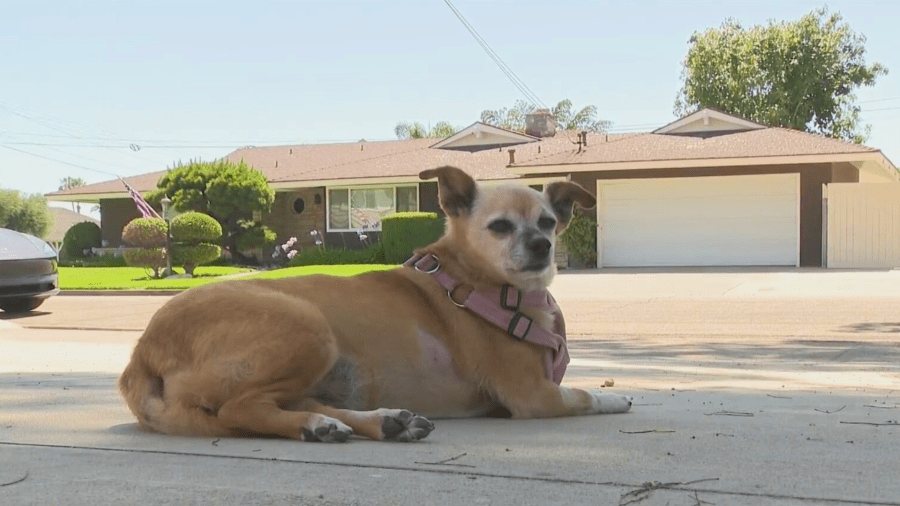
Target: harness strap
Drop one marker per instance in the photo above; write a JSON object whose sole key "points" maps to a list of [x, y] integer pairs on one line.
{"points": [[501, 308]]}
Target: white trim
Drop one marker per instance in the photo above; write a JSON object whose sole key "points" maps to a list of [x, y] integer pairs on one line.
{"points": [[705, 115], [799, 209], [476, 129], [874, 156], [328, 228]]}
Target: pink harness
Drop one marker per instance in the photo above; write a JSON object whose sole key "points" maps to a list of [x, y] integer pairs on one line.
{"points": [[500, 306]]}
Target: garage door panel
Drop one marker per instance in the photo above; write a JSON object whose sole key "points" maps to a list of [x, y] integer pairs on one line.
{"points": [[728, 220]]}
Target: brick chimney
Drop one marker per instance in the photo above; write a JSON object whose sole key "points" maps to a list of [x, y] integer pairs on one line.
{"points": [[540, 123]]}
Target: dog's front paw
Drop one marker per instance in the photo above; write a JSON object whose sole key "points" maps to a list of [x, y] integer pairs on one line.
{"points": [[326, 430], [605, 403], [405, 426]]}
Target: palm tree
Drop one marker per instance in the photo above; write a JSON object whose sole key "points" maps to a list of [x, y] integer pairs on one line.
{"points": [[69, 182]]}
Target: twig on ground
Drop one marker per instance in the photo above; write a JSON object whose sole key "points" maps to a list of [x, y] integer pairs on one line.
{"points": [[778, 396], [651, 404], [723, 434], [20, 480], [445, 462], [700, 502], [879, 407], [698, 481], [643, 492], [830, 412], [216, 442], [729, 413], [889, 422], [646, 431]]}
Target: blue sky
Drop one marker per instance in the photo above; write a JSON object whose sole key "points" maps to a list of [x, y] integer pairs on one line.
{"points": [[81, 81]]}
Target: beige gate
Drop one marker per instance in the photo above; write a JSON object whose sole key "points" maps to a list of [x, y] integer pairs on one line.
{"points": [[862, 224]]}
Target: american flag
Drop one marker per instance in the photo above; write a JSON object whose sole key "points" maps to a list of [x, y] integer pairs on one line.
{"points": [[142, 205]]}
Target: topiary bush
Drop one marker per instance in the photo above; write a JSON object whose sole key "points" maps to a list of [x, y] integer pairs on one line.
{"points": [[145, 233], [194, 227], [402, 233], [191, 230], [150, 258], [80, 237], [191, 255], [580, 238]]}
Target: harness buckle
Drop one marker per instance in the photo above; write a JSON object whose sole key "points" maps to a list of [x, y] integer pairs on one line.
{"points": [[514, 323], [426, 267], [504, 298]]}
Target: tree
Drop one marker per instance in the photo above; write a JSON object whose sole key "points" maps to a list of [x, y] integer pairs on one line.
{"points": [[69, 182], [799, 75], [229, 192], [25, 213], [566, 119], [416, 130]]}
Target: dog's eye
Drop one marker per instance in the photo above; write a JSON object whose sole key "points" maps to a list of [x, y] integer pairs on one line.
{"points": [[546, 223], [501, 226]]}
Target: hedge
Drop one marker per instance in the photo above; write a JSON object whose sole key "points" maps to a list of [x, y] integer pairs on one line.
{"points": [[80, 237], [402, 233], [332, 256], [145, 233], [580, 239]]}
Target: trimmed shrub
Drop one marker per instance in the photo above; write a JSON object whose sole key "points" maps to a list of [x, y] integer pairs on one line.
{"points": [[195, 227], [402, 233], [580, 238], [332, 256], [255, 236], [192, 255], [145, 233], [80, 237], [150, 258]]}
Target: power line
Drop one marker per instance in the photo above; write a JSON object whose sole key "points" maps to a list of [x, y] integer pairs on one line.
{"points": [[69, 134], [59, 161], [879, 100], [517, 82], [881, 109]]}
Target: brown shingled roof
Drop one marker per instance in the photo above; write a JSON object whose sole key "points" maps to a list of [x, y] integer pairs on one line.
{"points": [[141, 183], [308, 163], [660, 147]]}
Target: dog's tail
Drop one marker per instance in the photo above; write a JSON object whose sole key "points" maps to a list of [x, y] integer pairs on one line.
{"points": [[144, 390]]}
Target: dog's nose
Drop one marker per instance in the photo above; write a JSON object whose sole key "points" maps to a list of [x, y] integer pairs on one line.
{"points": [[540, 248]]}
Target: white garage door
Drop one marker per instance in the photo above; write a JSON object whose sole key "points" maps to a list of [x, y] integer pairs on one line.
{"points": [[699, 221]]}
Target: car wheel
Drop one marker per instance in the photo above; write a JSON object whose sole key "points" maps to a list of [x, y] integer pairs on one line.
{"points": [[20, 304]]}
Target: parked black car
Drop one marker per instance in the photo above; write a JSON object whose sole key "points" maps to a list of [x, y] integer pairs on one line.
{"points": [[28, 271]]}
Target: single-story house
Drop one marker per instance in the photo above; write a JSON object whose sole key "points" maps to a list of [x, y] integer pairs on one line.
{"points": [[709, 189]]}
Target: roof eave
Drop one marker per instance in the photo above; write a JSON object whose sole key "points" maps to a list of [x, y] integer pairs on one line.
{"points": [[873, 156]]}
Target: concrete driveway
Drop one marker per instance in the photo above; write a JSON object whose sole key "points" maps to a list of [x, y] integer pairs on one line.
{"points": [[751, 388]]}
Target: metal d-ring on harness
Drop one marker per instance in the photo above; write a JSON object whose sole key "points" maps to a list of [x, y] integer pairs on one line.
{"points": [[497, 307]]}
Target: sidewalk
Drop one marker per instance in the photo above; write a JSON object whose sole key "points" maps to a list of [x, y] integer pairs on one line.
{"points": [[751, 400]]}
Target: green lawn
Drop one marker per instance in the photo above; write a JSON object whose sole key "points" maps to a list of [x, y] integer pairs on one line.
{"points": [[136, 278]]}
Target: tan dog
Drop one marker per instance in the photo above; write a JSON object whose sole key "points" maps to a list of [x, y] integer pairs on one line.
{"points": [[320, 358]]}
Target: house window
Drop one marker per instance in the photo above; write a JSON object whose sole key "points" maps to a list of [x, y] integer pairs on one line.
{"points": [[356, 208]]}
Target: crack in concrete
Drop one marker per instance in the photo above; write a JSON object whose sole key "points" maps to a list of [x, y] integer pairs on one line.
{"points": [[676, 486]]}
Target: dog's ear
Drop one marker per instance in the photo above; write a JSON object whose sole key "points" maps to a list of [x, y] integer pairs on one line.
{"points": [[563, 195], [456, 189]]}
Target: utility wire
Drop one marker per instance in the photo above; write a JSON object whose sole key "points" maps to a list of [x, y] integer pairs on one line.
{"points": [[517, 82], [59, 161]]}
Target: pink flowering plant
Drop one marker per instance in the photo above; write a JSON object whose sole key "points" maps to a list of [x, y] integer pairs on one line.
{"points": [[285, 252]]}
